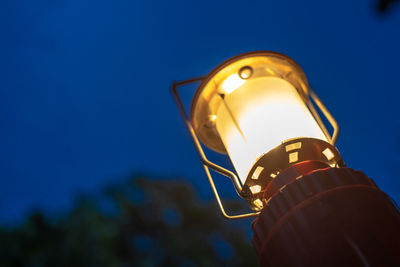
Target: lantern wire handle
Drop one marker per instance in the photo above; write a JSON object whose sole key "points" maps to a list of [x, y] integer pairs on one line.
{"points": [[205, 162], [336, 129]]}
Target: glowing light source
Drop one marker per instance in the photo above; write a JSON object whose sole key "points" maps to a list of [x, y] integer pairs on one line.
{"points": [[232, 83], [328, 154], [255, 189], [257, 101], [257, 172], [258, 115]]}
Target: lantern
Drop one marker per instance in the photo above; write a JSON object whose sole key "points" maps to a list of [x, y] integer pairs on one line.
{"points": [[258, 109]]}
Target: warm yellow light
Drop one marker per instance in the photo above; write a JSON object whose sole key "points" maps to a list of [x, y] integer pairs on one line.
{"points": [[232, 83], [251, 104], [258, 109], [258, 114]]}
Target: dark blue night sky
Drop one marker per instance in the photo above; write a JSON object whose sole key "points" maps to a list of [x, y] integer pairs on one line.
{"points": [[84, 86]]}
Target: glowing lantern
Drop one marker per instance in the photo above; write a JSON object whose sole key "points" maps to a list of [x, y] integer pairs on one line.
{"points": [[258, 109]]}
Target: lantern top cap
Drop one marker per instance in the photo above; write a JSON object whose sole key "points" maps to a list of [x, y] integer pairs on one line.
{"points": [[234, 72]]}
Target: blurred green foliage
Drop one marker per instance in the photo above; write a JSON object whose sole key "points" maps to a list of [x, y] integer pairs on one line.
{"points": [[144, 222]]}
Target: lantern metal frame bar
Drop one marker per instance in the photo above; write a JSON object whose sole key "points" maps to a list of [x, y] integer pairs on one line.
{"points": [[336, 128], [207, 165]]}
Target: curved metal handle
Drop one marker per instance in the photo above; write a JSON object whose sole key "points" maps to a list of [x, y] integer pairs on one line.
{"points": [[336, 129], [207, 165]]}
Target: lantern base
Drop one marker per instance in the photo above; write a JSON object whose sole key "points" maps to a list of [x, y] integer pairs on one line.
{"points": [[289, 153], [329, 217]]}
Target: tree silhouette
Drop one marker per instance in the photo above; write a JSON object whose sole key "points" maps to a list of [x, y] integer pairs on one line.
{"points": [[384, 5], [146, 223]]}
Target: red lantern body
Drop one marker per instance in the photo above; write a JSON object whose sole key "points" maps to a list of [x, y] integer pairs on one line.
{"points": [[327, 217]]}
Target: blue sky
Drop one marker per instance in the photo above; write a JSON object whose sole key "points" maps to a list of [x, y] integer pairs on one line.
{"points": [[84, 87]]}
